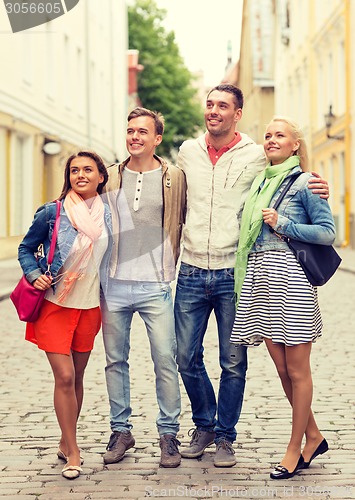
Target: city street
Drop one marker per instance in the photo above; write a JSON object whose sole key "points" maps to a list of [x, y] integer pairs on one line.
{"points": [[29, 467]]}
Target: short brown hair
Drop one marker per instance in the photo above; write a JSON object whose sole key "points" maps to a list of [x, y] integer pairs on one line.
{"points": [[157, 117], [231, 89]]}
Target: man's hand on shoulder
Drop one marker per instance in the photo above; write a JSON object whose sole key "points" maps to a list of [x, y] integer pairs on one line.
{"points": [[319, 185]]}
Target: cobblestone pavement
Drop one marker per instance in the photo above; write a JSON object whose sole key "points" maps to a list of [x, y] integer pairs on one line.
{"points": [[29, 433]]}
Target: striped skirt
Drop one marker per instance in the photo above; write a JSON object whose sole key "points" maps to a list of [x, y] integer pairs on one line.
{"points": [[276, 302]]}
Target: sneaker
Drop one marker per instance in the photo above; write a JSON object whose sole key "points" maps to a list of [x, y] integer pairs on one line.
{"points": [[119, 443], [199, 442], [170, 456], [224, 456]]}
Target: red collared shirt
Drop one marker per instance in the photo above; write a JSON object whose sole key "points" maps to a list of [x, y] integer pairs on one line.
{"points": [[215, 155]]}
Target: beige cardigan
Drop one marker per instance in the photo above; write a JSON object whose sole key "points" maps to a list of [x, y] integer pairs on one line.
{"points": [[174, 207], [215, 199]]}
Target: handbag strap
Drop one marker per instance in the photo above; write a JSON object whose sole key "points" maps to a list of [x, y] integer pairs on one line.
{"points": [[277, 203], [54, 235], [287, 187]]}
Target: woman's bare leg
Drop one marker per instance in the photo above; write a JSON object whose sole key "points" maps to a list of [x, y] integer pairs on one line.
{"points": [[278, 353], [65, 403], [80, 361]]}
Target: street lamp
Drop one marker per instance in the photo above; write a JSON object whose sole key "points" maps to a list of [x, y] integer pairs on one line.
{"points": [[329, 120], [51, 148]]}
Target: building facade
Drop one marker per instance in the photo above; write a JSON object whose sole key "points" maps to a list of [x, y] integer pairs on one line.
{"points": [[63, 88], [310, 51], [312, 48], [256, 66]]}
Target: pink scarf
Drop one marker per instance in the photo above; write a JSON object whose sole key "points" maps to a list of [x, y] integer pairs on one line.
{"points": [[89, 223]]}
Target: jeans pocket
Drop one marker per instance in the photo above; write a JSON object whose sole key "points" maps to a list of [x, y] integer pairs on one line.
{"points": [[186, 270], [229, 272], [155, 287]]}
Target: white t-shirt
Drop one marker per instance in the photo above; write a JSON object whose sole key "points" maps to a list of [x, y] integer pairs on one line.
{"points": [[85, 293]]}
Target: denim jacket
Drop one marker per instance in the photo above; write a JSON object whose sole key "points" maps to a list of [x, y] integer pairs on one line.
{"points": [[41, 232], [302, 215]]}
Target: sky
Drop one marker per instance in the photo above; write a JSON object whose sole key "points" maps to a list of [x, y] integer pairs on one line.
{"points": [[202, 30]]}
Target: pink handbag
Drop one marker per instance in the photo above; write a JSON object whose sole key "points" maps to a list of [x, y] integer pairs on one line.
{"points": [[25, 297]]}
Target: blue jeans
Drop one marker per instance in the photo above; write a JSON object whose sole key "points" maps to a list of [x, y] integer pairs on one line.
{"points": [[198, 292], [153, 302]]}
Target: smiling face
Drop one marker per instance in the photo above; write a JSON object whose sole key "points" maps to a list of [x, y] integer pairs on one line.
{"points": [[221, 113], [142, 138], [84, 176], [279, 143]]}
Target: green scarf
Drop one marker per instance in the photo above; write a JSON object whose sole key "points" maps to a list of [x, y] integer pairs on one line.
{"points": [[252, 220]]}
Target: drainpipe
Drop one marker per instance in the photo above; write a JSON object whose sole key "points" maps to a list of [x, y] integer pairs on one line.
{"points": [[112, 83], [8, 181], [88, 86], [347, 14]]}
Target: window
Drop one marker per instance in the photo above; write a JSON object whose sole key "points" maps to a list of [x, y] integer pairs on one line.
{"points": [[322, 102], [330, 79], [341, 79], [80, 86], [50, 61], [21, 181], [3, 184], [27, 58], [68, 83]]}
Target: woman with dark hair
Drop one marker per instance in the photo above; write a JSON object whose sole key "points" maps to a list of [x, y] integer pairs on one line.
{"points": [[70, 316], [100, 167]]}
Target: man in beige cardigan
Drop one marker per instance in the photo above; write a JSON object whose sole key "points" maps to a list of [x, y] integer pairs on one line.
{"points": [[147, 200]]}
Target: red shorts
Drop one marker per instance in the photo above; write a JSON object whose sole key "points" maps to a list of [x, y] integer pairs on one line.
{"points": [[64, 329]]}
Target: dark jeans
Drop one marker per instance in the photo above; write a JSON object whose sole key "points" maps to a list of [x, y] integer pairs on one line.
{"points": [[198, 292]]}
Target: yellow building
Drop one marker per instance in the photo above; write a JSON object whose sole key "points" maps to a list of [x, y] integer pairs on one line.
{"points": [[312, 65], [312, 49], [255, 76]]}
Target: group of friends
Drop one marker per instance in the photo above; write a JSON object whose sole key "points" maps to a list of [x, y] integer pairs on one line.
{"points": [[117, 250]]}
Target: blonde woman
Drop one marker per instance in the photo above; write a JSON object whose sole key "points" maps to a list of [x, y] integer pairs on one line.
{"points": [[276, 302]]}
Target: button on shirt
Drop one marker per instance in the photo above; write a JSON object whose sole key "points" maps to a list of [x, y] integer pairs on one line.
{"points": [[140, 211]]}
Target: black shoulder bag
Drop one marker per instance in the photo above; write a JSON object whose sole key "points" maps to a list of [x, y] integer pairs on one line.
{"points": [[319, 262]]}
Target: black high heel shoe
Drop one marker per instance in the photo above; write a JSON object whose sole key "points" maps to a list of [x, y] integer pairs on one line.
{"points": [[322, 448], [280, 472]]}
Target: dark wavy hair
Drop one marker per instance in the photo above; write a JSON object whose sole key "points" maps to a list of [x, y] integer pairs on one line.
{"points": [[100, 165]]}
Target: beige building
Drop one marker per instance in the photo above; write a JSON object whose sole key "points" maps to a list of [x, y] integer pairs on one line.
{"points": [[256, 66], [311, 82], [63, 87], [309, 50]]}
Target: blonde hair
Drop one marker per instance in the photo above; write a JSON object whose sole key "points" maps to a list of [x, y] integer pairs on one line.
{"points": [[298, 136]]}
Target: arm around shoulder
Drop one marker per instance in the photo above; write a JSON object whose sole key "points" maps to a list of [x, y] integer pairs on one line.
{"points": [[321, 227], [318, 185]]}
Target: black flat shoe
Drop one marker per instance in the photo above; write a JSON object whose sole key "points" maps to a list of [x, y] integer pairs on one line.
{"points": [[322, 448], [281, 472]]}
